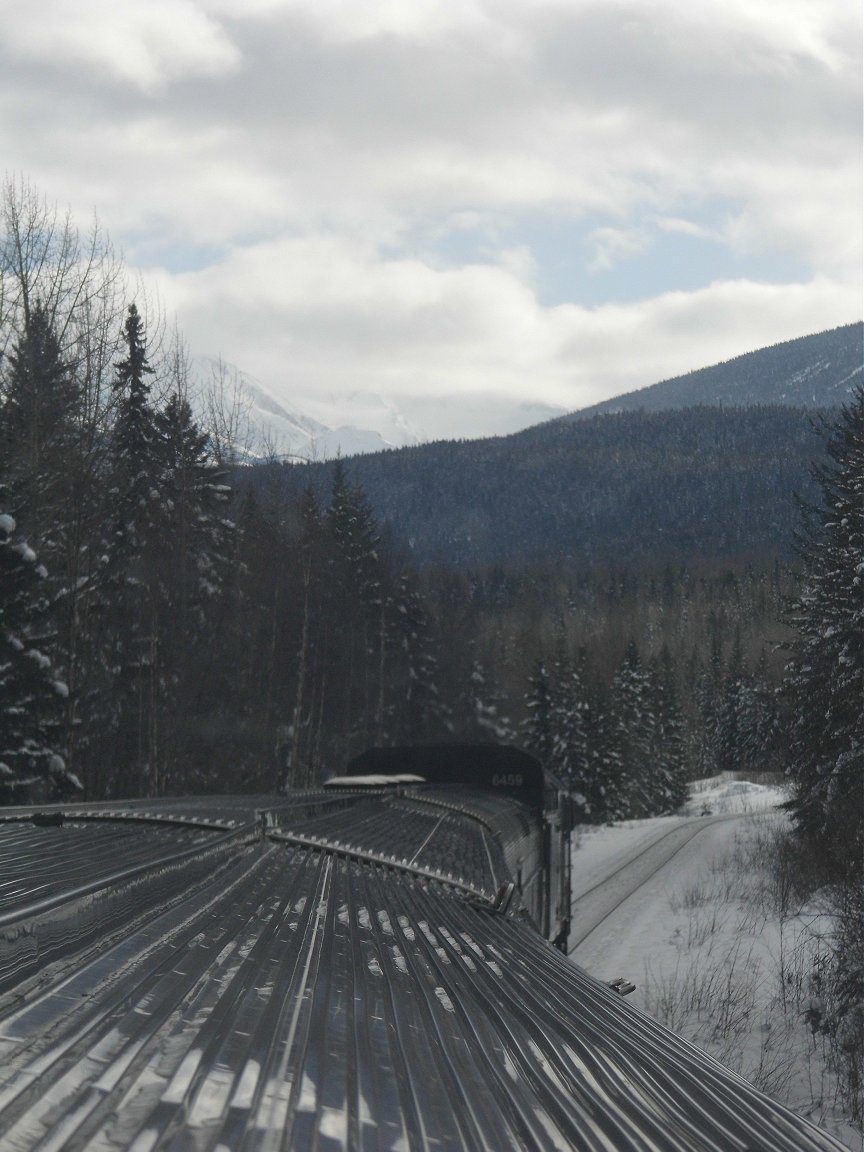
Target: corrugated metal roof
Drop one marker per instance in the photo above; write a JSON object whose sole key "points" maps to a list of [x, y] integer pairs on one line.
{"points": [[431, 838], [304, 999], [36, 863]]}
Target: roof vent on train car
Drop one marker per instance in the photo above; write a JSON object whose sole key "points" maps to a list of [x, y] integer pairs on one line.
{"points": [[374, 780]]}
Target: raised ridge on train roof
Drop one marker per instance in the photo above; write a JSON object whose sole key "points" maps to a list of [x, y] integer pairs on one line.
{"points": [[374, 780]]}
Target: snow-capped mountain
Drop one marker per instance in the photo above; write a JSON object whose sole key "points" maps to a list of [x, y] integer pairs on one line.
{"points": [[816, 371], [348, 424], [291, 432], [260, 425]]}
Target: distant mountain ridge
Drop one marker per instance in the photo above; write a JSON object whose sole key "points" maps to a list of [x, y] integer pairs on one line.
{"points": [[701, 469], [816, 371]]}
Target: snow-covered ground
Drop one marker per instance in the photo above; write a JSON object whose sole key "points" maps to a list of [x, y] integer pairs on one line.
{"points": [[702, 940]]}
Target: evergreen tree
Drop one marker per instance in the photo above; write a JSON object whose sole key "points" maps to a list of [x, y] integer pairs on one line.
{"points": [[571, 755], [825, 680], [194, 499], [709, 706], [265, 644], [48, 457], [635, 722], [747, 727], [670, 769], [135, 442], [31, 695], [732, 711], [38, 431], [358, 603], [416, 711], [486, 713], [301, 766], [538, 725], [354, 531], [763, 741], [130, 585], [605, 763], [191, 572]]}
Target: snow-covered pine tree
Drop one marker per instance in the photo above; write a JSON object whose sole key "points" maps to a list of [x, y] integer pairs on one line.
{"points": [[45, 457], [762, 736], [39, 418], [486, 711], [537, 725], [130, 579], [416, 711], [670, 772], [194, 548], [731, 717], [606, 761], [31, 696], [636, 722], [571, 755], [825, 675], [708, 705]]}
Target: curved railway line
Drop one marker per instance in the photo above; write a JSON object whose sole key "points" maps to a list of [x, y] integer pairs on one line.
{"points": [[622, 882]]}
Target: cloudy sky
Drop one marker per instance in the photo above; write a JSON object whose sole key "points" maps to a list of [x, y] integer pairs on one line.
{"points": [[465, 207]]}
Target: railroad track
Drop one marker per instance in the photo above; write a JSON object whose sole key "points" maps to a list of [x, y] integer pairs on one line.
{"points": [[596, 904]]}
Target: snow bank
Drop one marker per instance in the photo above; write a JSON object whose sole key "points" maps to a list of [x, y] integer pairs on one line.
{"points": [[710, 956], [722, 796]]}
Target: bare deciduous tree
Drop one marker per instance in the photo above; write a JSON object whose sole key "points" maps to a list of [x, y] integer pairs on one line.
{"points": [[226, 406]]}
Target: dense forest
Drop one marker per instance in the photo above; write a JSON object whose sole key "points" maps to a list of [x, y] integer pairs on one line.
{"points": [[700, 485], [175, 621]]}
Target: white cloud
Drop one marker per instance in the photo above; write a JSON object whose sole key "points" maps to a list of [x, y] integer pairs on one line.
{"points": [[612, 245], [316, 315], [618, 348], [146, 44], [376, 193], [341, 21]]}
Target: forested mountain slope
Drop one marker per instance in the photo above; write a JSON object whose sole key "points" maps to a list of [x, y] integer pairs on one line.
{"points": [[815, 371], [632, 487]]}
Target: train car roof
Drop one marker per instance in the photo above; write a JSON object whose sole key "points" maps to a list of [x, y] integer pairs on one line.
{"points": [[210, 988]]}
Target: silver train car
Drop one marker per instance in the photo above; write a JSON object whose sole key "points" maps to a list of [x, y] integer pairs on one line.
{"points": [[533, 833], [367, 966]]}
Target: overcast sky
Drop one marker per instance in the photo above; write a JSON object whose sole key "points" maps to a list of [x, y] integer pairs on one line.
{"points": [[494, 201]]}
